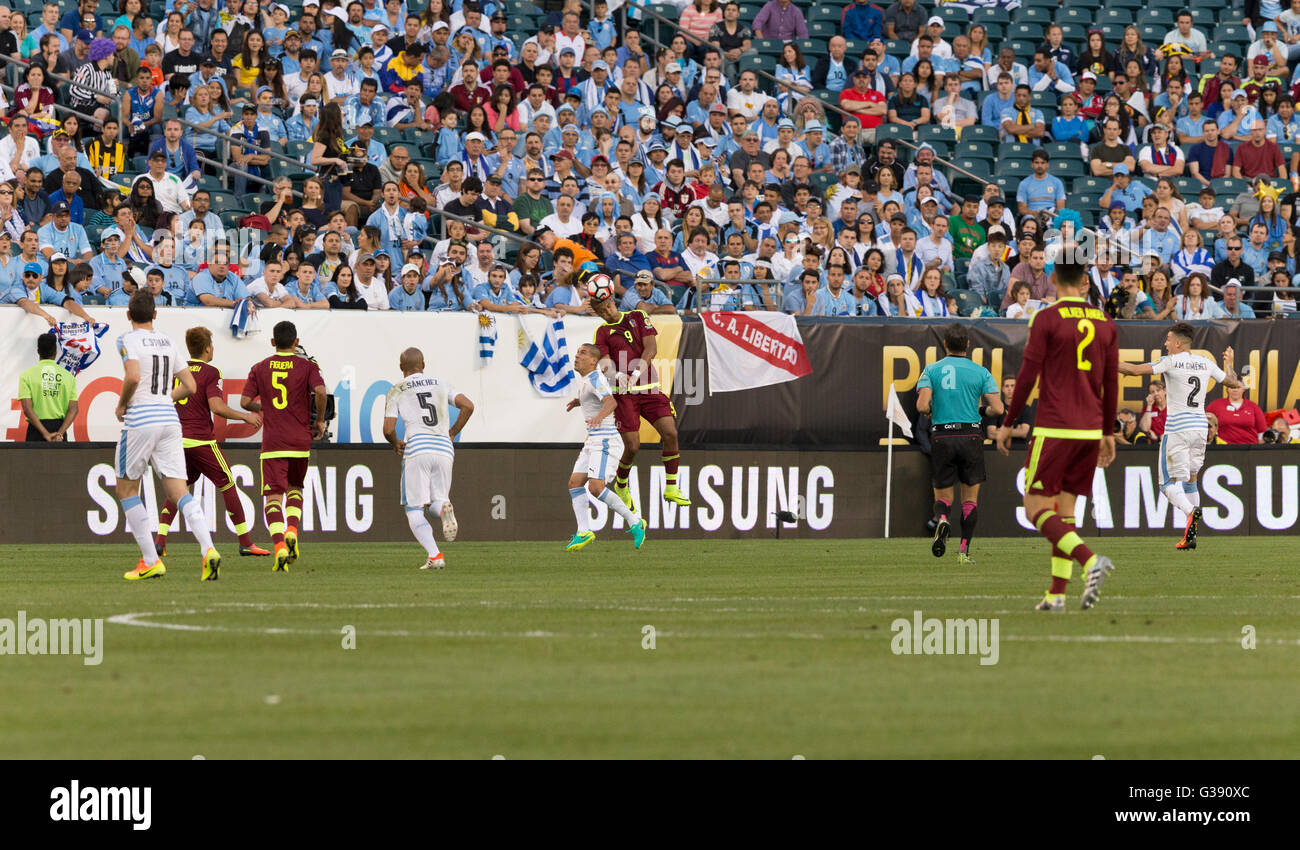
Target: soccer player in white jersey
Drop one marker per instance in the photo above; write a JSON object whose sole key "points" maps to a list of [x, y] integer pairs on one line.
{"points": [[598, 460], [151, 433], [1182, 448], [424, 403]]}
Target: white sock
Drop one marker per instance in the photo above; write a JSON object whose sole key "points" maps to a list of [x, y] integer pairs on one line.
{"points": [[434, 511], [422, 530], [1193, 493], [578, 495], [195, 521], [137, 522], [616, 505], [1174, 493]]}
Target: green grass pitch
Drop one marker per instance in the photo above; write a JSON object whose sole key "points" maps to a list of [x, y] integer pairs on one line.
{"points": [[763, 649]]}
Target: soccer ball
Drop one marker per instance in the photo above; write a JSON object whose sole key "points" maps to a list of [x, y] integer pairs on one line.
{"points": [[599, 287]]}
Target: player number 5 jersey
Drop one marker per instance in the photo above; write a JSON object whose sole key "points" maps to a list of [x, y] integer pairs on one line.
{"points": [[593, 389], [422, 404], [160, 360], [1187, 381]]}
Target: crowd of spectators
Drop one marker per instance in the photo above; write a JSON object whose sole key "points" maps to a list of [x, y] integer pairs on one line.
{"points": [[471, 155]]}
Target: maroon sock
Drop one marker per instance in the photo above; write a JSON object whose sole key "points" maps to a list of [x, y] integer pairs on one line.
{"points": [[165, 517], [235, 508]]}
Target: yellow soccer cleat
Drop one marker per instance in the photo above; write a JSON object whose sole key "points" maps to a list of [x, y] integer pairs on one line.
{"points": [[291, 542], [211, 564], [280, 564], [581, 539], [143, 571], [672, 494]]}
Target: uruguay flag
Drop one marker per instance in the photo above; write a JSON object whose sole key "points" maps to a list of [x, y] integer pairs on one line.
{"points": [[546, 359]]}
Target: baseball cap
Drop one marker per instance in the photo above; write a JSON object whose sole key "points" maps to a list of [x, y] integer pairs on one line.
{"points": [[997, 232], [136, 276], [673, 68], [500, 15], [408, 268], [442, 25], [934, 19], [1088, 75], [599, 65], [1232, 281], [929, 199], [248, 108], [364, 258], [568, 128], [62, 207], [656, 146], [568, 50], [84, 36], [561, 154], [893, 277], [1261, 59], [379, 26], [109, 233], [476, 136], [1242, 92], [898, 217], [494, 178], [1269, 26], [996, 200], [718, 107], [644, 275], [58, 255], [340, 53], [1118, 205], [1119, 168], [208, 61], [707, 141], [34, 268]]}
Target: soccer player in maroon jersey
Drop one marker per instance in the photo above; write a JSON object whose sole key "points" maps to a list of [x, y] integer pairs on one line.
{"points": [[1073, 348], [202, 455], [285, 382], [629, 344]]}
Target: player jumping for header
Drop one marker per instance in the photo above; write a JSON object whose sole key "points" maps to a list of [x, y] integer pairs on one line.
{"points": [[285, 382], [424, 403], [628, 345], [151, 433], [202, 454], [1074, 348], [1182, 448], [595, 465]]}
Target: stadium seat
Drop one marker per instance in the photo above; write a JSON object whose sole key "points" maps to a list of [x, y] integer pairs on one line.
{"points": [[1202, 17], [1074, 32], [821, 31], [1088, 183], [968, 301], [954, 15], [1088, 5], [991, 15], [1026, 30], [1112, 15], [1035, 14], [768, 45], [935, 133], [980, 133], [965, 147], [824, 13], [1157, 16], [1151, 33], [1015, 150], [1228, 187], [1074, 15], [1061, 149]]}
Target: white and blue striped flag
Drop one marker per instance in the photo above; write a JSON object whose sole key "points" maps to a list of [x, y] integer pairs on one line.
{"points": [[487, 337], [546, 359]]}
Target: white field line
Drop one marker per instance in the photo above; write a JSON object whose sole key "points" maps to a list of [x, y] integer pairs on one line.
{"points": [[144, 619]]}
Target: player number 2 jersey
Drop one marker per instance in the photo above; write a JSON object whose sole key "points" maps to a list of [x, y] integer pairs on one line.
{"points": [[593, 389], [1187, 381], [1077, 349], [423, 405], [160, 360]]}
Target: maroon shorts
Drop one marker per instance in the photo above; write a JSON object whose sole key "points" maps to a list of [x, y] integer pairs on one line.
{"points": [[282, 474], [1056, 465], [632, 407], [206, 461]]}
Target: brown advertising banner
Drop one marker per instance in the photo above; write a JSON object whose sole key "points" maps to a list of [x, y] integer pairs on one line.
{"points": [[65, 494], [842, 403]]}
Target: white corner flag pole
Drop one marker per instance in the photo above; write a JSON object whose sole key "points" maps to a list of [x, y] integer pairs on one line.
{"points": [[889, 475]]}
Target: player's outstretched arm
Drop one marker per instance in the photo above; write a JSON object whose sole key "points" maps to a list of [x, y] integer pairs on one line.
{"points": [[1134, 368], [1231, 379], [390, 434], [466, 408], [217, 404]]}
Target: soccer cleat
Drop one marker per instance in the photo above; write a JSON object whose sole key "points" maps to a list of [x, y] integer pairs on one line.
{"points": [[1189, 534], [1052, 602], [940, 544], [624, 493], [246, 551], [449, 524], [291, 542], [143, 571], [638, 534], [672, 494], [211, 564], [965, 560], [1094, 579], [579, 540], [281, 563], [435, 563]]}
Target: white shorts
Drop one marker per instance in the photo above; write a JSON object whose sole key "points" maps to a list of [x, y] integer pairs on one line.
{"points": [[426, 479], [157, 444], [599, 457], [1182, 453]]}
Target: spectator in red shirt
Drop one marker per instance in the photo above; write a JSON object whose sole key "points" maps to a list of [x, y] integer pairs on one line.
{"points": [[1154, 411], [1240, 420], [1259, 157], [469, 93], [864, 102]]}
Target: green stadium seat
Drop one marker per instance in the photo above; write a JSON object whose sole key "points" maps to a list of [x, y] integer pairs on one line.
{"points": [[1074, 32], [1067, 168], [1227, 188], [1074, 15], [822, 31], [954, 15], [1088, 5], [935, 133], [1015, 150], [1113, 31], [1035, 14], [1152, 33], [1113, 15], [1157, 16], [824, 12], [965, 147], [991, 15], [768, 45], [1203, 17], [1088, 183], [1026, 30], [815, 46], [980, 133], [968, 301]]}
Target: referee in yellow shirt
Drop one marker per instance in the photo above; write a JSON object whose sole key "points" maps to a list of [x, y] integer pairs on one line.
{"points": [[48, 394]]}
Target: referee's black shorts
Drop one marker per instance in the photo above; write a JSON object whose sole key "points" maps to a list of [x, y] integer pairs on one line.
{"points": [[957, 454]]}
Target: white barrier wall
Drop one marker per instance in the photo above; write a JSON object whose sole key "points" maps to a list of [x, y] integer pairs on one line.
{"points": [[358, 355]]}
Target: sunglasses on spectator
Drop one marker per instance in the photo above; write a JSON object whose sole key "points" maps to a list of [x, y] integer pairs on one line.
{"points": [[30, 274]]}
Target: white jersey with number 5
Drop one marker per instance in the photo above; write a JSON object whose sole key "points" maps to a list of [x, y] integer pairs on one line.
{"points": [[422, 403], [160, 361], [1187, 381]]}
